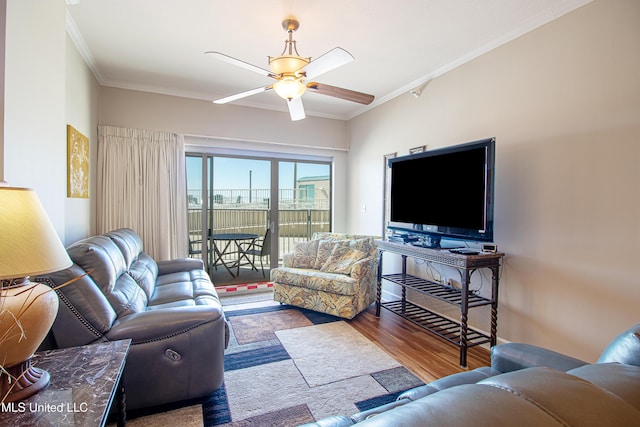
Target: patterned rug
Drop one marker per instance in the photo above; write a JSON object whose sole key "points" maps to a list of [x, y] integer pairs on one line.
{"points": [[287, 366]]}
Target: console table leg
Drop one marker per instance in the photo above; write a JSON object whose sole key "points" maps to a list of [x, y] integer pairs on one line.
{"points": [[121, 405], [464, 311], [494, 304], [379, 284]]}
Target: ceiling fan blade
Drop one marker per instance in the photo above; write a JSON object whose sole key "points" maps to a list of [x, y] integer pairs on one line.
{"points": [[331, 60], [338, 92], [242, 95], [231, 60], [296, 109]]}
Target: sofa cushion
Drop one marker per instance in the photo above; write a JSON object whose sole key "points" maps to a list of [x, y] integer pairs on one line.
{"points": [[101, 258], [85, 314], [564, 396], [342, 259], [621, 380], [144, 271], [466, 405], [316, 280], [325, 248], [304, 254], [361, 238], [366, 245], [183, 288], [106, 265], [129, 243]]}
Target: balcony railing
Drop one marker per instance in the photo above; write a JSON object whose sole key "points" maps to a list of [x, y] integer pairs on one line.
{"points": [[302, 212], [295, 225]]}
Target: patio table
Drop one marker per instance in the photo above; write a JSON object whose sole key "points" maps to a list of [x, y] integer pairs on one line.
{"points": [[225, 241]]}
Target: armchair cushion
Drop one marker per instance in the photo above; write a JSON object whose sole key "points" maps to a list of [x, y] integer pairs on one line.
{"points": [[342, 259], [316, 280], [325, 249], [304, 254]]}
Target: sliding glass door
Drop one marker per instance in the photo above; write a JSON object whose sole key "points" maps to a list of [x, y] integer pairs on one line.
{"points": [[305, 201], [236, 202]]}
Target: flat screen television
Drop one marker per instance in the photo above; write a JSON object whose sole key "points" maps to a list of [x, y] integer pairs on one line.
{"points": [[446, 193]]}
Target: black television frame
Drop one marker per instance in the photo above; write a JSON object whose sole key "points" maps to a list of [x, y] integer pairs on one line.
{"points": [[431, 235]]}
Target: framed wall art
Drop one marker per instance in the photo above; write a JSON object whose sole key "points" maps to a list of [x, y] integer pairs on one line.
{"points": [[77, 164]]}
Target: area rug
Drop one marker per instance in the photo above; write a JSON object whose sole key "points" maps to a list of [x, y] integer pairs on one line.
{"points": [[189, 416], [232, 298], [287, 366]]}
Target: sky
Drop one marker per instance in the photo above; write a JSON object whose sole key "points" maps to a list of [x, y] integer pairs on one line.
{"points": [[233, 173]]}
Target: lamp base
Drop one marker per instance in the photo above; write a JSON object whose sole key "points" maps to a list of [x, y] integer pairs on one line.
{"points": [[25, 381]]}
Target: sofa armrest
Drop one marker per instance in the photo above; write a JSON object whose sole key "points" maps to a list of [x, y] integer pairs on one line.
{"points": [[625, 348], [179, 264], [515, 356], [362, 268], [158, 324]]}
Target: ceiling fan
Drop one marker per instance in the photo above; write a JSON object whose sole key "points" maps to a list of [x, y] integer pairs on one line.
{"points": [[294, 73]]}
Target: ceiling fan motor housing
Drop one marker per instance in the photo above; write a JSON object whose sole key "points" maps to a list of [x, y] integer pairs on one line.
{"points": [[287, 64]]}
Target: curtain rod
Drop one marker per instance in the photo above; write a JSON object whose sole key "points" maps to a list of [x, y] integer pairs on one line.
{"points": [[256, 141]]}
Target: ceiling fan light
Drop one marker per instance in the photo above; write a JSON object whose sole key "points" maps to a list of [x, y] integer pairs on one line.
{"points": [[287, 64], [289, 88]]}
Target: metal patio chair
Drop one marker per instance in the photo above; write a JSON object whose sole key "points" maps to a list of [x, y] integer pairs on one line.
{"points": [[260, 248]]}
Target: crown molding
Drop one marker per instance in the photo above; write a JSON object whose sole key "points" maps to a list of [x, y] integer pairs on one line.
{"points": [[81, 45]]}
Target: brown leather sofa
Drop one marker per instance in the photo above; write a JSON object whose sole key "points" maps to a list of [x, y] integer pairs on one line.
{"points": [[169, 309], [525, 386]]}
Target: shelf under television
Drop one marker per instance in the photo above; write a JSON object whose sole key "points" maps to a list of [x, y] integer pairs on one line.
{"points": [[436, 290], [435, 323]]}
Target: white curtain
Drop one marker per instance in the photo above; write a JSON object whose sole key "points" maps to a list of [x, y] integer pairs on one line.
{"points": [[142, 185]]}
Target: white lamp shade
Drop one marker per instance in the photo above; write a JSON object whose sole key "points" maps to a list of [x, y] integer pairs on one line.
{"points": [[289, 88], [29, 245]]}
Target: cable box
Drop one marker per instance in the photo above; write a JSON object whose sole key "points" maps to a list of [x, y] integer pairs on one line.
{"points": [[403, 238]]}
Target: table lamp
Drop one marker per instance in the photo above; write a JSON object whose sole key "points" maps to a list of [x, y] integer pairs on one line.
{"points": [[29, 246]]}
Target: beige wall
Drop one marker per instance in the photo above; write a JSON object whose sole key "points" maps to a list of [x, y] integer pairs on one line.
{"points": [[34, 113], [564, 105], [128, 108]]}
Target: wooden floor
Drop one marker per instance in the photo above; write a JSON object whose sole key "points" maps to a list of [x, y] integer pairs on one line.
{"points": [[426, 355]]}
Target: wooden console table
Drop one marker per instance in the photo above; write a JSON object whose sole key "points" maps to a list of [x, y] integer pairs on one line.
{"points": [[456, 333], [84, 382]]}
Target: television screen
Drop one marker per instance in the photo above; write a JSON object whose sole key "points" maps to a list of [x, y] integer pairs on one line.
{"points": [[446, 192]]}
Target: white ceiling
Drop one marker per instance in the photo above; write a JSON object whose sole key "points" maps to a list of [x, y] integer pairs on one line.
{"points": [[158, 45]]}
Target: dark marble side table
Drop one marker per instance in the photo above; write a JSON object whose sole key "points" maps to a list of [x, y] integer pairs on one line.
{"points": [[85, 381]]}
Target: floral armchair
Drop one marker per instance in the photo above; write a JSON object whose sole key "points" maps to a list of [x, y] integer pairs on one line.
{"points": [[331, 273]]}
